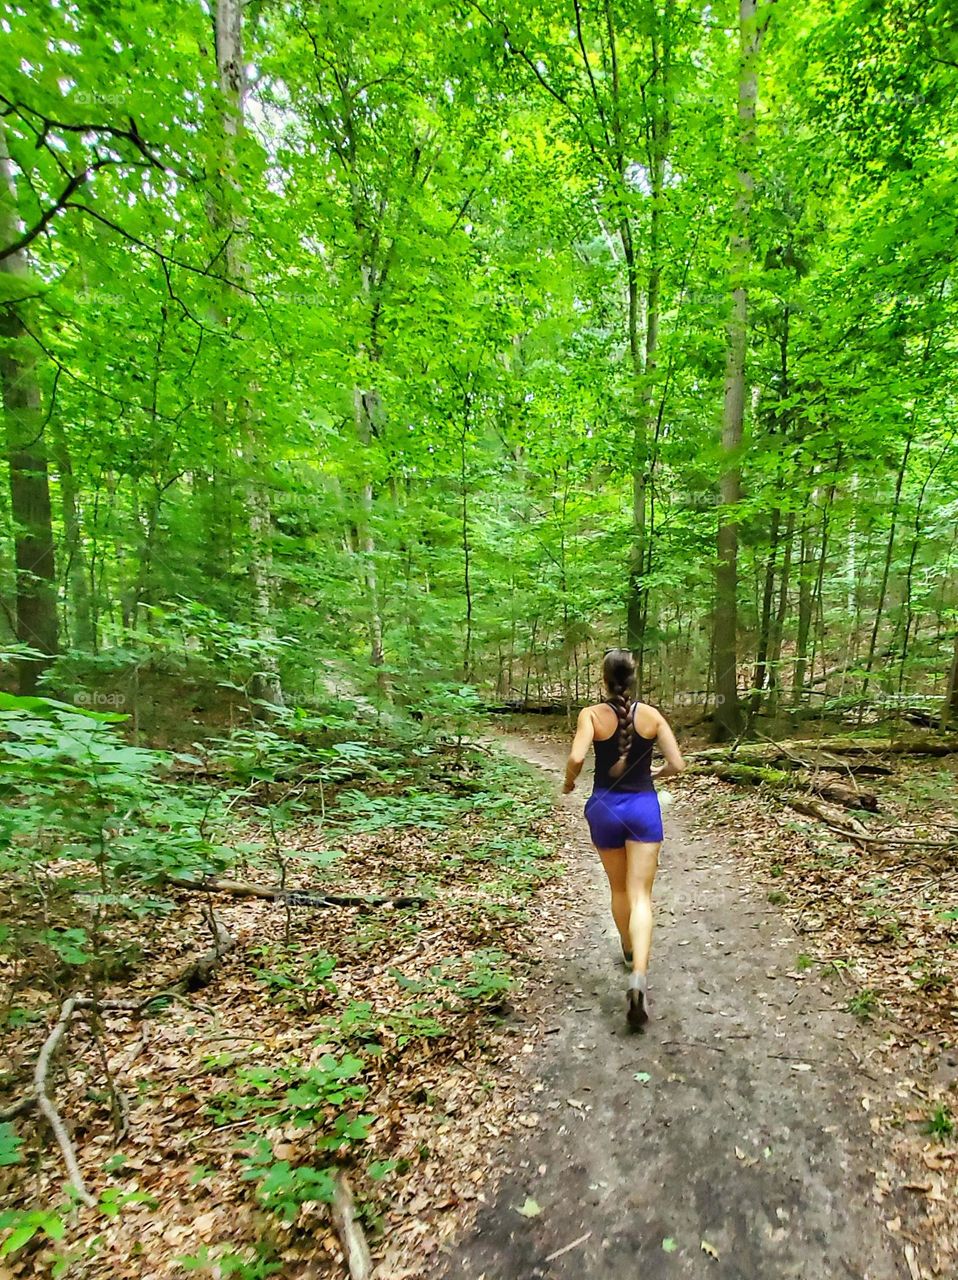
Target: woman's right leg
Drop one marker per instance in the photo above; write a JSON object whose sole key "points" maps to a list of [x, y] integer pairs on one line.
{"points": [[642, 861]]}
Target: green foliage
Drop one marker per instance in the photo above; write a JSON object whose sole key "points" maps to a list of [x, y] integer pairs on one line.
{"points": [[80, 797], [361, 1023], [298, 979], [22, 1225], [10, 1144], [283, 1188], [358, 811], [299, 1095], [941, 1123], [864, 1004], [222, 1262]]}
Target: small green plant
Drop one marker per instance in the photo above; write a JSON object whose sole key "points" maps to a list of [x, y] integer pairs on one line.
{"points": [[863, 1004], [299, 1095], [940, 1124], [928, 977], [10, 1145], [360, 811], [777, 898], [776, 870], [486, 982], [803, 962], [256, 1264], [23, 1224], [360, 1021], [282, 1187], [884, 924], [302, 980]]}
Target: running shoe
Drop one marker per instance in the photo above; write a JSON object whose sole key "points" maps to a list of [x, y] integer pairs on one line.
{"points": [[637, 1012]]}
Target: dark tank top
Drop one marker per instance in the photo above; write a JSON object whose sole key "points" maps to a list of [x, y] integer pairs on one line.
{"points": [[637, 775]]}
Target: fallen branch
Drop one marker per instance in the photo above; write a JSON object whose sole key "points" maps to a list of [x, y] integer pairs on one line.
{"points": [[200, 972], [350, 1233], [135, 1008], [46, 1106], [551, 1257], [293, 897], [19, 1108]]}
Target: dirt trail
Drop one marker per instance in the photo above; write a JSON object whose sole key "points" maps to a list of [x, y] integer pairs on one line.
{"points": [[749, 1133]]}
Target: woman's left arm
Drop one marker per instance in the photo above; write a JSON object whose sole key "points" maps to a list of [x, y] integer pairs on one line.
{"points": [[584, 732]]}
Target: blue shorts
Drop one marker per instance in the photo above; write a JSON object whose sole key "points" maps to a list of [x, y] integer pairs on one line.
{"points": [[617, 816]]}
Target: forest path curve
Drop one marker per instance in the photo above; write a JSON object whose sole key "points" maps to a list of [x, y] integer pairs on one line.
{"points": [[749, 1133]]}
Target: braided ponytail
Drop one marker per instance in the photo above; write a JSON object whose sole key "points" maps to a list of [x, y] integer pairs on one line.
{"points": [[618, 671]]}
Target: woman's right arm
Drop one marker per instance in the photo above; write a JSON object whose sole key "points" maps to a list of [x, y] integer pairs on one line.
{"points": [[670, 749]]}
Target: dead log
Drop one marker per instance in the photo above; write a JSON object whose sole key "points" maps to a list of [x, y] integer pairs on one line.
{"points": [[841, 822], [529, 709], [759, 755], [779, 780], [293, 897], [919, 744]]}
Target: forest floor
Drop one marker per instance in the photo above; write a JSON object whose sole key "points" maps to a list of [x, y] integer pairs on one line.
{"points": [[466, 1061], [757, 1128]]}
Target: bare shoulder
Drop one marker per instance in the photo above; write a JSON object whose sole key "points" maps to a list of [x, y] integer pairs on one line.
{"points": [[592, 708], [648, 719]]}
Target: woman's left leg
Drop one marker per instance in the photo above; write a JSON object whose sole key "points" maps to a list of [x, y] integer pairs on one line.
{"points": [[614, 861], [642, 861]]}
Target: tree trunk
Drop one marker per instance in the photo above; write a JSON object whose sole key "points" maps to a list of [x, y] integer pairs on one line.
{"points": [[778, 626], [231, 73], [728, 713], [36, 612], [886, 567], [765, 622], [804, 616], [75, 572], [950, 710], [645, 363]]}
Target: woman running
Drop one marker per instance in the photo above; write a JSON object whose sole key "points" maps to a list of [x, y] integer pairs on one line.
{"points": [[623, 810]]}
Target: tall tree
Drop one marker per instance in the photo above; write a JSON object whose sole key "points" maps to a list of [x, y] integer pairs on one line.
{"points": [[728, 709], [25, 436]]}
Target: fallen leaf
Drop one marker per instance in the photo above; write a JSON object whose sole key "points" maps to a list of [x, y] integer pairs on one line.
{"points": [[530, 1209], [710, 1249]]}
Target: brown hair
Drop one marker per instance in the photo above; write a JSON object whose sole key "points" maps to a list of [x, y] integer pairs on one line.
{"points": [[618, 672]]}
